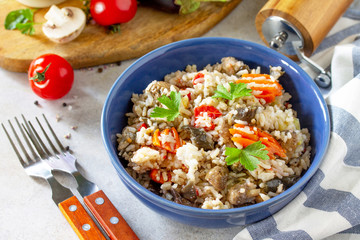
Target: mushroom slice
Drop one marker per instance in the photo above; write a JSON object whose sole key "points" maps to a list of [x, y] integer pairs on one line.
{"points": [[64, 25], [217, 176], [40, 3]]}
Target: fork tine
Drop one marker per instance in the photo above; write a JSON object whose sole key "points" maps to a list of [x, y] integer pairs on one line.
{"points": [[35, 156], [38, 141], [30, 135], [54, 135], [47, 137], [39, 150], [13, 145]]}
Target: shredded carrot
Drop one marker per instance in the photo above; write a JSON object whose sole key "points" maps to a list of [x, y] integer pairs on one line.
{"points": [[167, 146], [256, 75], [243, 141], [262, 83], [268, 97], [273, 146], [155, 139], [244, 134], [177, 138]]}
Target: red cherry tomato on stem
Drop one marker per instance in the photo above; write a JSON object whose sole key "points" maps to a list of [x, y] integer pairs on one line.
{"points": [[50, 76], [109, 12]]}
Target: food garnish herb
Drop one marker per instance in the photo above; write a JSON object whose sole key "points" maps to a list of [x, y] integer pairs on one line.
{"points": [[172, 103], [22, 19], [189, 6], [236, 90], [248, 156]]}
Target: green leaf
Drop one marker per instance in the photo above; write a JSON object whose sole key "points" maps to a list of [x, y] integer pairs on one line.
{"points": [[26, 28], [221, 92], [257, 149], [249, 162], [22, 20], [189, 6], [172, 103], [236, 90], [239, 90], [248, 157], [233, 155]]}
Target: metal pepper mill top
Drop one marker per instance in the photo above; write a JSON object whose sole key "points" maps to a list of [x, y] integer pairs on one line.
{"points": [[296, 28]]}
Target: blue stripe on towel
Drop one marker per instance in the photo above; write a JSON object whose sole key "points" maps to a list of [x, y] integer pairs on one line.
{"points": [[356, 57], [335, 38], [267, 229], [332, 200], [353, 230], [345, 125]]}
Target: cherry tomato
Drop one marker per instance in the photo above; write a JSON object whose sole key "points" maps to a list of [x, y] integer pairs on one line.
{"points": [[199, 78], [50, 76], [109, 12], [211, 111]]}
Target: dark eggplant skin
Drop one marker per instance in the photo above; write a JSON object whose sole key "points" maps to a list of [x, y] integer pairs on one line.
{"points": [[163, 5]]}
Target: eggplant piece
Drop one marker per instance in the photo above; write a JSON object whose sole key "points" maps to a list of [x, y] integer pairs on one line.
{"points": [[199, 138], [163, 5], [272, 185], [238, 195], [189, 192], [155, 188], [245, 114], [217, 177], [290, 180], [179, 199]]}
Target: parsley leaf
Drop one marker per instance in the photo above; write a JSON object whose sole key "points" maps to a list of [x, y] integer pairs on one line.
{"points": [[22, 20], [173, 105], [248, 156], [236, 90]]}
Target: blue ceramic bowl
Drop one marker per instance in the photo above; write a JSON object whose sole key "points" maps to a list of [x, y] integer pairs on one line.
{"points": [[306, 99]]}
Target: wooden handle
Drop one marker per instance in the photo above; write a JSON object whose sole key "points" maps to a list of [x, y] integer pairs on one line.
{"points": [[108, 216], [312, 18], [80, 220]]}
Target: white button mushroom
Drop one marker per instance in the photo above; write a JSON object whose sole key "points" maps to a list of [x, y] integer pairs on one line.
{"points": [[40, 3], [64, 25]]}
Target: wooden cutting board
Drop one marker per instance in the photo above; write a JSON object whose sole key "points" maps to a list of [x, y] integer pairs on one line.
{"points": [[149, 29]]}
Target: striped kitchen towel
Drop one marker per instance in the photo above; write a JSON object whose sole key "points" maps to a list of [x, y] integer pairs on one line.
{"points": [[329, 206]]}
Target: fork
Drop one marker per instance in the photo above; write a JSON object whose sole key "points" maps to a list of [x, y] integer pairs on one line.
{"points": [[68, 204], [68, 163], [96, 200]]}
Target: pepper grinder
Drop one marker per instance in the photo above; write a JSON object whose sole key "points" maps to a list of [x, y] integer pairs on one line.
{"points": [[296, 28]]}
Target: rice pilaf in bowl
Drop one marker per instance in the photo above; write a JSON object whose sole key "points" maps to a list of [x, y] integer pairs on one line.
{"points": [[219, 143], [225, 111]]}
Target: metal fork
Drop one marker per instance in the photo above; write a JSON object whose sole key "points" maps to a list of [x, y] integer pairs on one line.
{"points": [[69, 205], [96, 200], [35, 167], [63, 161]]}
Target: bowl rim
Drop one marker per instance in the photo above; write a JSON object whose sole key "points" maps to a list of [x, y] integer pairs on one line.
{"points": [[316, 161]]}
